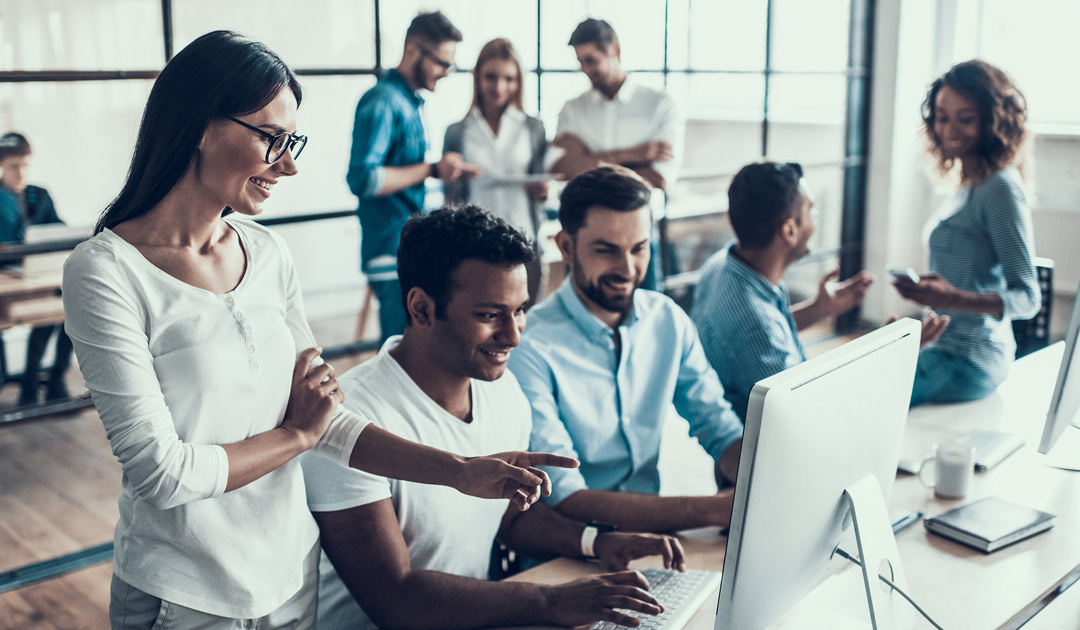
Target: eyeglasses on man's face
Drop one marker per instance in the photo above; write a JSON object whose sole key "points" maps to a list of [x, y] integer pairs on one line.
{"points": [[447, 66], [277, 144]]}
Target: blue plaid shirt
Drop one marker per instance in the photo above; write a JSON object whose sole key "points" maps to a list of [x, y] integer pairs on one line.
{"points": [[981, 241], [745, 325], [607, 410], [388, 130]]}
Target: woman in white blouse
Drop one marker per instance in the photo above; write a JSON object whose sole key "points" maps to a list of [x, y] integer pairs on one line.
{"points": [[506, 143], [187, 324]]}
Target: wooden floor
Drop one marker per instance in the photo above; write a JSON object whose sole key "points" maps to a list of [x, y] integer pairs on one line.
{"points": [[59, 482]]}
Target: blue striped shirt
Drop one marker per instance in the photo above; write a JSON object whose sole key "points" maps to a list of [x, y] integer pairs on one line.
{"points": [[745, 325], [607, 410], [981, 241], [388, 130]]}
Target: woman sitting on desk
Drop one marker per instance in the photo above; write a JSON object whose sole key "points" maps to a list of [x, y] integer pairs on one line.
{"points": [[506, 143], [980, 241], [188, 324]]}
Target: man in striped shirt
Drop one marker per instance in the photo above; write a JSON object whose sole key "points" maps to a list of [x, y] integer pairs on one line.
{"points": [[742, 308]]}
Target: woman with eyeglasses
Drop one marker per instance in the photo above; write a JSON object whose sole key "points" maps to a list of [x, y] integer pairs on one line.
{"points": [[506, 143], [980, 241], [187, 321]]}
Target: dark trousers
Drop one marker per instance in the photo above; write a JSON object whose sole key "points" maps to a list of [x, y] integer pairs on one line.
{"points": [[35, 349]]}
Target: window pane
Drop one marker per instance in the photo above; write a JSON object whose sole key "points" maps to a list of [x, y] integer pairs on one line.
{"points": [[326, 118], [81, 35], [1022, 39], [479, 21], [81, 154], [719, 96], [325, 34], [557, 88], [640, 30], [826, 186], [717, 34], [806, 117], [810, 35]]}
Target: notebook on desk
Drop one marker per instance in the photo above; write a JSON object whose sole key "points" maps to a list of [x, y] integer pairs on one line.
{"points": [[990, 524]]}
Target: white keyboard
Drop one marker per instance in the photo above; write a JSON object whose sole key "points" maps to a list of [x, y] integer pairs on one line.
{"points": [[681, 594]]}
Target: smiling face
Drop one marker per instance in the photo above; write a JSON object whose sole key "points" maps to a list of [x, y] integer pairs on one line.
{"points": [[431, 63], [608, 257], [956, 123], [230, 164], [485, 316], [499, 82], [601, 65]]}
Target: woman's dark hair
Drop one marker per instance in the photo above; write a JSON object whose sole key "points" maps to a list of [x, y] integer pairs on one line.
{"points": [[1002, 115], [219, 74], [432, 247], [761, 197], [614, 187]]}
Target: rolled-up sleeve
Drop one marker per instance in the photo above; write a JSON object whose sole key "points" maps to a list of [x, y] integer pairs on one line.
{"points": [[549, 434], [699, 397], [345, 426], [1007, 218], [372, 134], [108, 331]]}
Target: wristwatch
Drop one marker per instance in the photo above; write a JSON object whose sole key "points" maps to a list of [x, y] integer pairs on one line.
{"points": [[589, 534], [433, 170]]}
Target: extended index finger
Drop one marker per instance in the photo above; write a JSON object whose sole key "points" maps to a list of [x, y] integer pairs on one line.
{"points": [[549, 459]]}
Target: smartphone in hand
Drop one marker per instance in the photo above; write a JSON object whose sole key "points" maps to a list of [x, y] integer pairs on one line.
{"points": [[904, 274]]}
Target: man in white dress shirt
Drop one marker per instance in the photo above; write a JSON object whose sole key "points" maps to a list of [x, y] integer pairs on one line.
{"points": [[617, 121], [406, 555]]}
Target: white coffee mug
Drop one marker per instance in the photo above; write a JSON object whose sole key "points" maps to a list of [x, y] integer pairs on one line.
{"points": [[954, 466]]}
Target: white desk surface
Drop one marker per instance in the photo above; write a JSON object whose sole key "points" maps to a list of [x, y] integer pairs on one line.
{"points": [[958, 586]]}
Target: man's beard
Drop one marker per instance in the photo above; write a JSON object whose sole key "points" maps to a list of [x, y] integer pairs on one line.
{"points": [[419, 79], [595, 292]]}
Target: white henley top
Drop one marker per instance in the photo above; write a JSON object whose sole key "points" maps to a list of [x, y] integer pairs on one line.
{"points": [[175, 371]]}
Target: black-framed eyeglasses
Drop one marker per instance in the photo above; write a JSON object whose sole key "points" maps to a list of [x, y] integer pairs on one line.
{"points": [[448, 66], [278, 143]]}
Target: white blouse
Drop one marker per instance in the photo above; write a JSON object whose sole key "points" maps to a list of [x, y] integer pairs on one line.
{"points": [[505, 159], [175, 371]]}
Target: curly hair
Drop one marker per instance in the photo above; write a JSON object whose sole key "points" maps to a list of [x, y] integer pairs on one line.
{"points": [[1002, 114], [434, 246]]}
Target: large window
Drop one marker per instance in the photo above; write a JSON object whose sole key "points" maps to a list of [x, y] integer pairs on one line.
{"points": [[753, 78]]}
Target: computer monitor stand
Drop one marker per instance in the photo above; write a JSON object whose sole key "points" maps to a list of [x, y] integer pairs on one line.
{"points": [[874, 536]]}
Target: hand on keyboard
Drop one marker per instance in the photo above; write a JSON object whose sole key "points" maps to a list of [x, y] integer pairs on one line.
{"points": [[596, 598], [616, 549]]}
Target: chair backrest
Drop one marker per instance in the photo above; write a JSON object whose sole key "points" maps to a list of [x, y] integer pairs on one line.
{"points": [[1034, 334]]}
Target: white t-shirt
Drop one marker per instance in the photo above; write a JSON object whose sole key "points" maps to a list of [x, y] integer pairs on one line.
{"points": [[505, 155], [175, 371], [444, 530], [637, 114]]}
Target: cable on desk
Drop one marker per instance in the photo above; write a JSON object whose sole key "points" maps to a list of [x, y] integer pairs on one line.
{"points": [[844, 554]]}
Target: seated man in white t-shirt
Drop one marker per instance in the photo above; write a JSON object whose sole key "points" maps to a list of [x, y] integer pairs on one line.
{"points": [[418, 556]]}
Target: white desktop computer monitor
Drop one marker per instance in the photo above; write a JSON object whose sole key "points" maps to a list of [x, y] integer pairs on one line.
{"points": [[1066, 399], [812, 432]]}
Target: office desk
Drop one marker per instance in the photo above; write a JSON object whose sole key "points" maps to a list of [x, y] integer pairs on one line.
{"points": [[32, 296], [958, 586]]}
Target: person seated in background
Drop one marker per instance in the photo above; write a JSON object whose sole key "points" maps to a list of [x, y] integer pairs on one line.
{"points": [[508, 144], [22, 204], [603, 361], [617, 121], [390, 544], [742, 308], [981, 241]]}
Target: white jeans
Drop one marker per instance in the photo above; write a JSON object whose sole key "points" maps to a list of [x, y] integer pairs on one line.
{"points": [[132, 609]]}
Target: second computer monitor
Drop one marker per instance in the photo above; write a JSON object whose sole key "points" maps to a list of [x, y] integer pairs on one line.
{"points": [[812, 431], [1066, 400]]}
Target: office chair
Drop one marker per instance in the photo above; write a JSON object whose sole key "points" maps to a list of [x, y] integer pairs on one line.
{"points": [[1034, 334]]}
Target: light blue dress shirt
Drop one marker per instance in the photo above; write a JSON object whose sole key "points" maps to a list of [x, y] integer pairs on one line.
{"points": [[746, 325], [608, 410]]}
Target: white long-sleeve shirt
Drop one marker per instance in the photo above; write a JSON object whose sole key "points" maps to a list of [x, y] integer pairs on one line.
{"points": [[175, 371]]}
